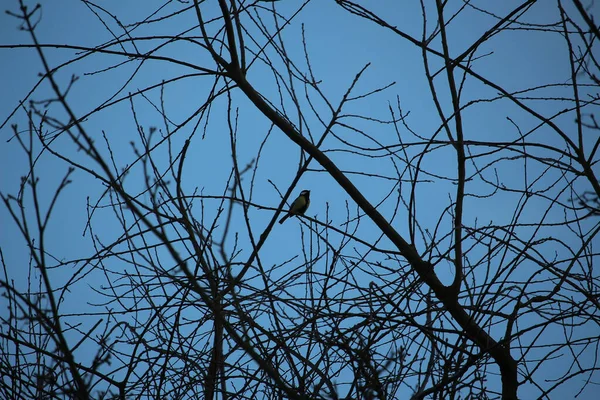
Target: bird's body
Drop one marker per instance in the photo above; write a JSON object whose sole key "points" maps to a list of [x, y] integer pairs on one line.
{"points": [[299, 206]]}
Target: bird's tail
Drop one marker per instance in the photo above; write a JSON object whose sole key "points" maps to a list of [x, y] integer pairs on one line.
{"points": [[286, 216]]}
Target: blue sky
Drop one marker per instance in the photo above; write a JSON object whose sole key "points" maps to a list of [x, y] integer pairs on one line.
{"points": [[340, 45]]}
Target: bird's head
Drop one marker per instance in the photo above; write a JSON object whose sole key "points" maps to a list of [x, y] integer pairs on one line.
{"points": [[305, 193]]}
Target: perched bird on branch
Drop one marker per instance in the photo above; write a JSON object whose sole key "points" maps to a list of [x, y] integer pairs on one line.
{"points": [[299, 206]]}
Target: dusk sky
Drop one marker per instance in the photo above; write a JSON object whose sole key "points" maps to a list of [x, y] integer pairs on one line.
{"points": [[122, 101]]}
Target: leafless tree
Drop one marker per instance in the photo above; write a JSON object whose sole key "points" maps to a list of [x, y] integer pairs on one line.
{"points": [[441, 259]]}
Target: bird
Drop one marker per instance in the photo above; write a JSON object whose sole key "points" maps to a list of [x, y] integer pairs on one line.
{"points": [[299, 206]]}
